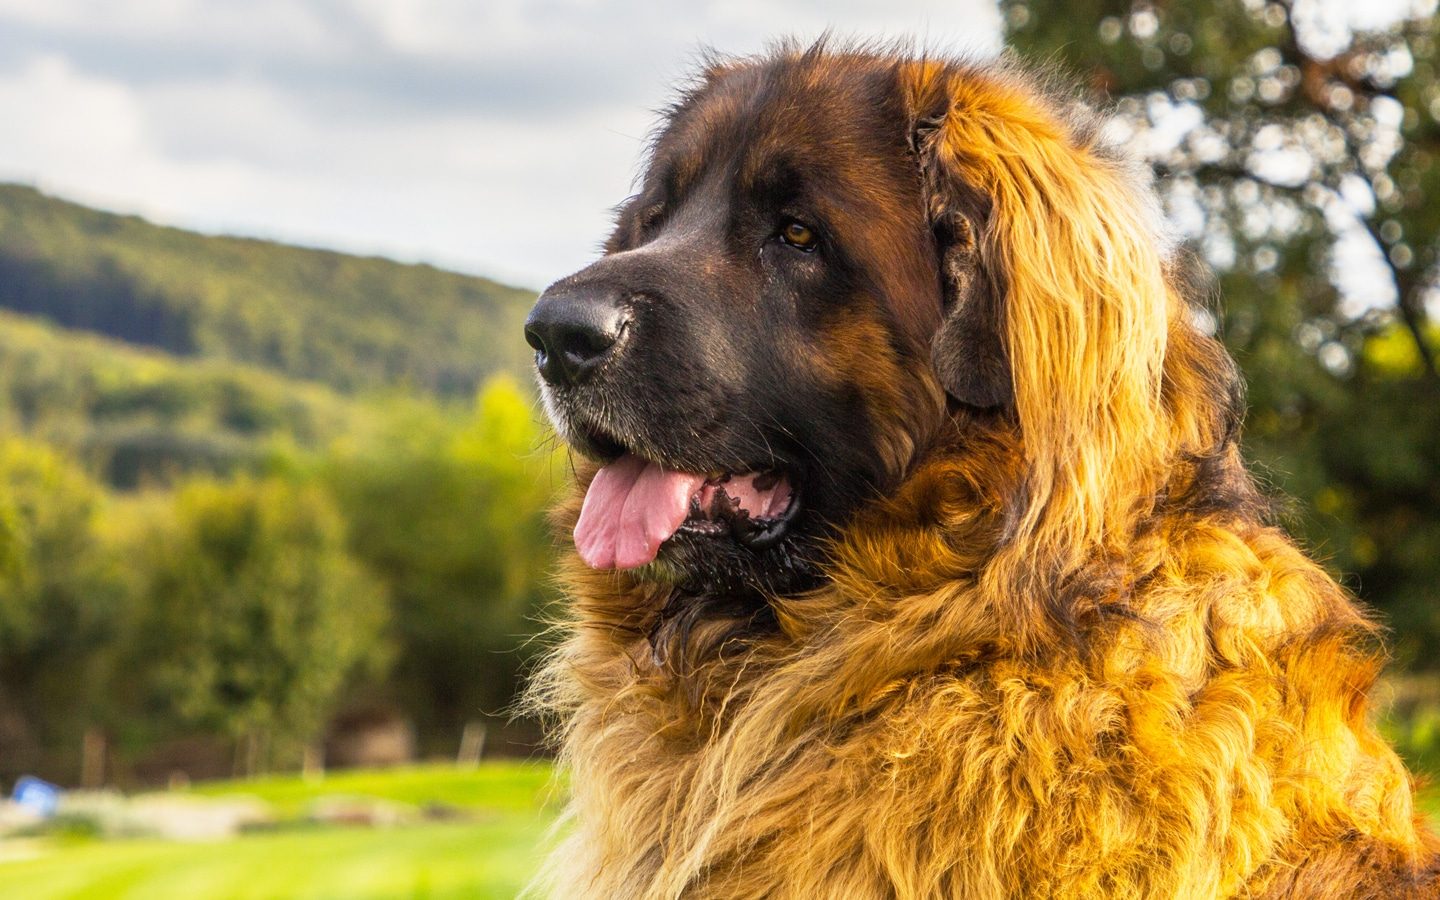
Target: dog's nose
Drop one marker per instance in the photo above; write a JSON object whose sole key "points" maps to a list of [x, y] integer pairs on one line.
{"points": [[573, 330]]}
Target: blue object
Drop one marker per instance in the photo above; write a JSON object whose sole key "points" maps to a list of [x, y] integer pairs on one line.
{"points": [[40, 797]]}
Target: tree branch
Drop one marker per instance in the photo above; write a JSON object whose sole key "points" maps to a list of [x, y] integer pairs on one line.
{"points": [[1408, 298], [1408, 288]]}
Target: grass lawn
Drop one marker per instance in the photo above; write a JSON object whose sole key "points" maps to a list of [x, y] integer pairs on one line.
{"points": [[491, 854], [499, 786]]}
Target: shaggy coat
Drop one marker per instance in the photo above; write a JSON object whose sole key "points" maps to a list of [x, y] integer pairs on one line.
{"points": [[1059, 651]]}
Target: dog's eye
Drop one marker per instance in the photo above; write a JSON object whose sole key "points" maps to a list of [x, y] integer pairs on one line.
{"points": [[798, 235]]}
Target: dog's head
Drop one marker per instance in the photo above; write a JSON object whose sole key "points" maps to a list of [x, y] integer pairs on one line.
{"points": [[834, 259]]}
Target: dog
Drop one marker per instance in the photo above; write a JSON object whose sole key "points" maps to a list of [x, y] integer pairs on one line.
{"points": [[914, 554]]}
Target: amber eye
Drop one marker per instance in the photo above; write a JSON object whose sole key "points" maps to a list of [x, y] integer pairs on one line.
{"points": [[799, 236]]}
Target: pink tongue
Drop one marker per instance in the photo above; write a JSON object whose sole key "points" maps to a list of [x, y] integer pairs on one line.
{"points": [[633, 506]]}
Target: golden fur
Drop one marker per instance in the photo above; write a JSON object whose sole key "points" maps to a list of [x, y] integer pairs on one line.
{"points": [[1066, 658]]}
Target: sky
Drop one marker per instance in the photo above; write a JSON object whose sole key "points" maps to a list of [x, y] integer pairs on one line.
{"points": [[491, 137]]}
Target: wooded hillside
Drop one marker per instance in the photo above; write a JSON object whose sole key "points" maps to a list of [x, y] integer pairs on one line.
{"points": [[350, 322]]}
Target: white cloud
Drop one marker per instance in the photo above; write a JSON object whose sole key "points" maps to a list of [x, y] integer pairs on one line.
{"points": [[493, 137], [70, 120], [274, 24]]}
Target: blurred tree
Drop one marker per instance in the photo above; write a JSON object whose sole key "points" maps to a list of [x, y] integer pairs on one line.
{"points": [[454, 521], [62, 609], [1297, 144], [255, 613]]}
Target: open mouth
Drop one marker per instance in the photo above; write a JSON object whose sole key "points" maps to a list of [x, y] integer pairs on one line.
{"points": [[635, 505], [754, 508]]}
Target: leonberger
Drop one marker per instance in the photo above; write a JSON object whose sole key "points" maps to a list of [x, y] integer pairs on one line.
{"points": [[914, 551]]}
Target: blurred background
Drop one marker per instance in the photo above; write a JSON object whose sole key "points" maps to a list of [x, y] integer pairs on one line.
{"points": [[273, 556]]}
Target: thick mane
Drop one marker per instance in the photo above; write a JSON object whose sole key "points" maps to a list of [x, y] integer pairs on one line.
{"points": [[1067, 657]]}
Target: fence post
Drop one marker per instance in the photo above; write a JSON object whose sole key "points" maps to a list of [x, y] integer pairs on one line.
{"points": [[92, 758], [472, 745]]}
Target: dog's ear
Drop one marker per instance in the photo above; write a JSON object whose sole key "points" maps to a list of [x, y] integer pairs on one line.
{"points": [[967, 351], [1060, 281]]}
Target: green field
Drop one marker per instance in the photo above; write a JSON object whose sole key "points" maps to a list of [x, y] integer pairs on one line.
{"points": [[496, 787], [504, 810], [508, 809]]}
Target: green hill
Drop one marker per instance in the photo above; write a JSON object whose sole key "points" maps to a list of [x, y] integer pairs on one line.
{"points": [[142, 415], [354, 323]]}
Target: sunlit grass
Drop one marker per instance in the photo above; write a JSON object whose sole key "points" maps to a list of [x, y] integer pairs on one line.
{"points": [[500, 785], [490, 853], [489, 859]]}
